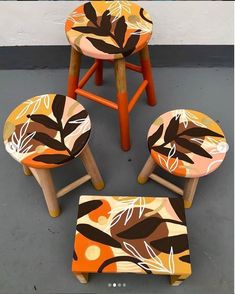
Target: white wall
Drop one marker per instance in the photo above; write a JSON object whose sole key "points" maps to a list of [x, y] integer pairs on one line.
{"points": [[175, 22]]}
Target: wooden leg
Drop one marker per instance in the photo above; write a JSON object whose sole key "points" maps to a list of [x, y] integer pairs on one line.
{"points": [[189, 191], [74, 68], [177, 280], [91, 168], [43, 176], [99, 73], [122, 97], [26, 170], [147, 74], [146, 171], [83, 278]]}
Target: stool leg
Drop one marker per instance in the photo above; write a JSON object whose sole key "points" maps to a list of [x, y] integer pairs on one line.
{"points": [[99, 73], [43, 176], [147, 74], [91, 168], [74, 68], [177, 280], [83, 278], [122, 97], [189, 191], [26, 170], [146, 171]]}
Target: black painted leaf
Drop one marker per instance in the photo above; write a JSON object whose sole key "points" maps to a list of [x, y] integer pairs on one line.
{"points": [[75, 255], [86, 207], [53, 158], [80, 143], [155, 137], [70, 127], [90, 30], [105, 24], [200, 132], [58, 106], [103, 46], [120, 31], [90, 12], [192, 147], [96, 235], [142, 229], [48, 141], [178, 208], [144, 17], [44, 120], [131, 44], [172, 129], [185, 258], [179, 243], [165, 151]]}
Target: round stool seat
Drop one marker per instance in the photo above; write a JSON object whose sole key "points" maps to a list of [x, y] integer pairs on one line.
{"points": [[187, 143], [108, 29], [47, 131]]}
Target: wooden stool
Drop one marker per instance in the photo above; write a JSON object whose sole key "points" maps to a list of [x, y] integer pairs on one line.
{"points": [[45, 132], [123, 234], [186, 143], [111, 30]]}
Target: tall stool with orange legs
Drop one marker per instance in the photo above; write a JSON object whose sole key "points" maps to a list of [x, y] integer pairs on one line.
{"points": [[111, 31]]}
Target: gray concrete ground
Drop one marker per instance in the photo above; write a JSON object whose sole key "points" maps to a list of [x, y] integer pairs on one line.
{"points": [[36, 250]]}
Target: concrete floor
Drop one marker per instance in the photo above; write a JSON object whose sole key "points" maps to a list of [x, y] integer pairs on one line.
{"points": [[36, 250]]}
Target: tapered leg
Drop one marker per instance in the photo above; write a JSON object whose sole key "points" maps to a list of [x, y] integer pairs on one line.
{"points": [[177, 280], [83, 278], [26, 170], [122, 97], [74, 68], [146, 171], [43, 176], [91, 168], [147, 74], [99, 73], [189, 191]]}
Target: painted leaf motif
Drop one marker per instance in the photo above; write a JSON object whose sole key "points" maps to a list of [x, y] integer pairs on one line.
{"points": [[94, 234], [192, 147], [90, 30], [58, 106], [103, 46], [185, 258], [90, 12], [172, 129], [105, 24], [165, 151], [155, 137], [178, 242], [75, 255], [70, 127], [48, 141], [120, 31], [80, 143], [86, 207], [53, 158], [200, 132], [131, 44], [44, 120], [178, 208]]}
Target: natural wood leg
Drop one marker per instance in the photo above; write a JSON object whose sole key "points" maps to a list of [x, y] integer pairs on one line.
{"points": [[146, 171], [99, 73], [26, 170], [83, 278], [189, 191], [177, 280], [43, 176], [147, 74], [122, 97], [91, 168], [74, 68]]}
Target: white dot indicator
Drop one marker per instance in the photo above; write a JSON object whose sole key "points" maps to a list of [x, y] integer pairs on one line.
{"points": [[109, 284], [119, 285], [124, 284], [114, 285]]}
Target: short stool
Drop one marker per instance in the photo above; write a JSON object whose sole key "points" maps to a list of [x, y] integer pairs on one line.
{"points": [[185, 143], [126, 234], [45, 132], [111, 31]]}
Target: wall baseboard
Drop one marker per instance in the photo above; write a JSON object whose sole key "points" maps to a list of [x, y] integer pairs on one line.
{"points": [[31, 57]]}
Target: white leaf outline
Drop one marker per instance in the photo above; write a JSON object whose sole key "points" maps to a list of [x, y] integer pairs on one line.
{"points": [[132, 250], [116, 7]]}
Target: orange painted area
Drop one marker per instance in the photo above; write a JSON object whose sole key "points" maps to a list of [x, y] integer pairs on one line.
{"points": [[103, 210]]}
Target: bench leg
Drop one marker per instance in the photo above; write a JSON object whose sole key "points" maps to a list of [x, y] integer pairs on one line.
{"points": [[177, 280], [91, 168], [189, 191], [146, 171], [99, 73], [26, 170], [74, 69], [83, 278]]}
